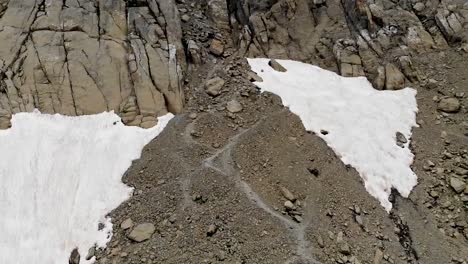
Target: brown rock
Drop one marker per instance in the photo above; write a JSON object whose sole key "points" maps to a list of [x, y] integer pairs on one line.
{"points": [[394, 79], [449, 105], [217, 47], [142, 232], [213, 86]]}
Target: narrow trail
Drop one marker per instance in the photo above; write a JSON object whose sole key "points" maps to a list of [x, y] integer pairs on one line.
{"points": [[221, 161]]}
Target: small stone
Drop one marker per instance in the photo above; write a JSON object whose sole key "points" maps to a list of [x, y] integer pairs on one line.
{"points": [[213, 86], [359, 220], [287, 194], [320, 241], [172, 218], [419, 6], [401, 139], [74, 257], [457, 184], [449, 105], [345, 249], [234, 106], [276, 66], [126, 224], [339, 237], [378, 256], [211, 230], [297, 218], [217, 47], [289, 206], [434, 194], [142, 232], [193, 115], [185, 18], [253, 77]]}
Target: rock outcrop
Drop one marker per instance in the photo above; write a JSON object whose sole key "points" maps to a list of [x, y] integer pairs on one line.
{"points": [[84, 57]]}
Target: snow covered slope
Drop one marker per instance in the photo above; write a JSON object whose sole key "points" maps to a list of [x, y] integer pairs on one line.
{"points": [[59, 177], [358, 122]]}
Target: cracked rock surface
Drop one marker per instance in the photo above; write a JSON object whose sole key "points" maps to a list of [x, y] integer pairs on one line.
{"points": [[235, 178], [78, 57]]}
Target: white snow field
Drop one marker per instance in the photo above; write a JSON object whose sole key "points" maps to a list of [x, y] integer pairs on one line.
{"points": [[361, 122], [59, 177]]}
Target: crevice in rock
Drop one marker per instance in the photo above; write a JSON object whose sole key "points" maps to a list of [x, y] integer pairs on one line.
{"points": [[66, 65]]}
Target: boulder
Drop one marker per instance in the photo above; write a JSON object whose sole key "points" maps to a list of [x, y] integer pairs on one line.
{"points": [[142, 232], [449, 105]]}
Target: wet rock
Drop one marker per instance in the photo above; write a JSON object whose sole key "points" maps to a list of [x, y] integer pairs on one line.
{"points": [[276, 65], [234, 106], [449, 105], [142, 232], [457, 184], [213, 86]]}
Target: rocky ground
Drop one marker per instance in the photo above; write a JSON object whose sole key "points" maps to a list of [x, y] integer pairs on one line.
{"points": [[235, 178]]}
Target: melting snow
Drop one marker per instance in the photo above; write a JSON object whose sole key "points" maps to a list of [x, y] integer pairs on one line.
{"points": [[59, 177], [361, 122]]}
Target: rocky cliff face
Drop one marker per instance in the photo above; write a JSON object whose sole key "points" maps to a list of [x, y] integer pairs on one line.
{"points": [[85, 57], [78, 57]]}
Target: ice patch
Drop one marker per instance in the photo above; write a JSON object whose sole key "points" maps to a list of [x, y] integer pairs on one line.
{"points": [[59, 177], [361, 122]]}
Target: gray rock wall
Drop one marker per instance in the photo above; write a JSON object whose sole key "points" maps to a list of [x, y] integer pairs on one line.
{"points": [[79, 57]]}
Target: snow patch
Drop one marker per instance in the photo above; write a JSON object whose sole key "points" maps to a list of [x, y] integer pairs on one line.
{"points": [[59, 177], [358, 122]]}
